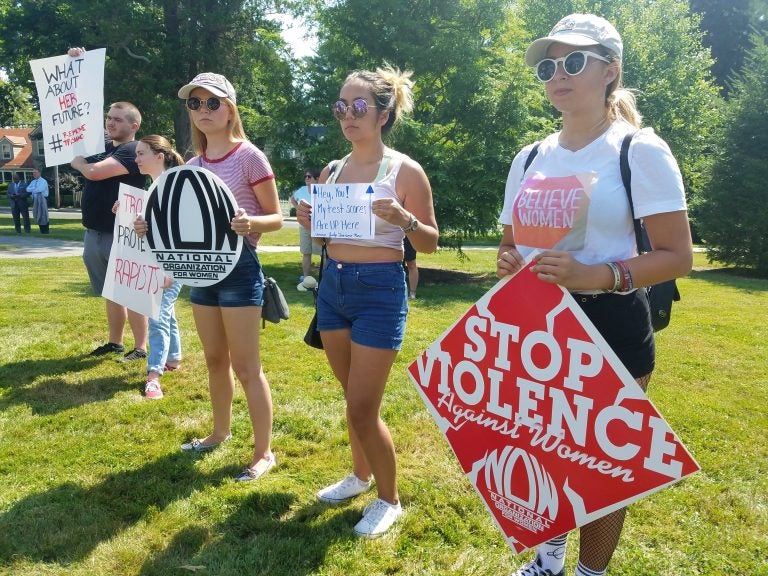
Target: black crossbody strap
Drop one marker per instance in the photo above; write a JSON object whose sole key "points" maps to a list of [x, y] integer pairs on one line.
{"points": [[531, 156], [626, 178]]}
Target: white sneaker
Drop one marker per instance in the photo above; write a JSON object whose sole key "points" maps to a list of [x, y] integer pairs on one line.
{"points": [[378, 517], [343, 490], [534, 568]]}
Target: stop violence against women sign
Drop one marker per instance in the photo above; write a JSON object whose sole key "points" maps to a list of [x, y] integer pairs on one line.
{"points": [[546, 422]]}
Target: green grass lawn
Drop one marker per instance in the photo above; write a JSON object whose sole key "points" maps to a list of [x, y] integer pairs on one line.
{"points": [[93, 482], [72, 230]]}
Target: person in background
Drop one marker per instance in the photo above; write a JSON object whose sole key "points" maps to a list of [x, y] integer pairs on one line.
{"points": [[17, 197], [362, 301], [409, 261], [580, 65], [154, 155], [38, 188], [227, 314], [103, 175], [306, 246]]}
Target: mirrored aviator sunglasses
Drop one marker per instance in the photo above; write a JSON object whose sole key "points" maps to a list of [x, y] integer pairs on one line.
{"points": [[359, 108], [212, 103], [573, 64]]}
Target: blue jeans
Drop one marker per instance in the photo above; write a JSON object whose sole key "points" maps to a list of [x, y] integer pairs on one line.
{"points": [[367, 299], [164, 339], [244, 286]]}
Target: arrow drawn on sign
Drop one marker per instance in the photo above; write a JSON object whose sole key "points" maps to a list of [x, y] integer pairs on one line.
{"points": [[370, 210]]}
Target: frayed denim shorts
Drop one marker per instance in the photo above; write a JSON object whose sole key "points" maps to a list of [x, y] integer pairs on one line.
{"points": [[368, 299], [243, 286]]}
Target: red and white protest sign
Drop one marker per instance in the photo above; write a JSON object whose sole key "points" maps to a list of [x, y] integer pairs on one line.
{"points": [[546, 422], [134, 279]]}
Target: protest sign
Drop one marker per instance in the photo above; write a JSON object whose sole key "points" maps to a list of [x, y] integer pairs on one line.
{"points": [[342, 211], [189, 215], [546, 422], [71, 95], [133, 277]]}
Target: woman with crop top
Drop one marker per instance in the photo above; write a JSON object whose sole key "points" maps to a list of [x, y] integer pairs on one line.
{"points": [[227, 314], [362, 301], [587, 243]]}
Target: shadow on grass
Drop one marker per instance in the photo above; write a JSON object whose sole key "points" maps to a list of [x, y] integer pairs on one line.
{"points": [[64, 524], [56, 393], [256, 539], [52, 394], [739, 278]]}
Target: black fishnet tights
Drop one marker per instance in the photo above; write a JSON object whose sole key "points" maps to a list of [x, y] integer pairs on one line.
{"points": [[598, 539]]}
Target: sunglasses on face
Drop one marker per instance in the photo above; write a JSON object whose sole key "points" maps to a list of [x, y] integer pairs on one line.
{"points": [[359, 108], [194, 103], [308, 176], [573, 64]]}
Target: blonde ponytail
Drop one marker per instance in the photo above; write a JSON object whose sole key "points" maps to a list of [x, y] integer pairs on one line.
{"points": [[621, 102], [392, 90]]}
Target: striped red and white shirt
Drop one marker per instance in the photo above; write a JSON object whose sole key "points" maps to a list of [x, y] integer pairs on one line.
{"points": [[241, 169]]}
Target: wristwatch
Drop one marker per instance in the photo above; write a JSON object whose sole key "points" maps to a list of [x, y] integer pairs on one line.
{"points": [[412, 224]]}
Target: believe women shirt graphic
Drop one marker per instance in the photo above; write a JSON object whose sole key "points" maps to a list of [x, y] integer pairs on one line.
{"points": [[551, 212]]}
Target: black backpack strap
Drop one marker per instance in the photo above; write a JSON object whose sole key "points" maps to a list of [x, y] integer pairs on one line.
{"points": [[531, 156], [626, 178]]}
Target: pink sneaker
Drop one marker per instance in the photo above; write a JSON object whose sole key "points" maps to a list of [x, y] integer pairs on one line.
{"points": [[152, 389]]}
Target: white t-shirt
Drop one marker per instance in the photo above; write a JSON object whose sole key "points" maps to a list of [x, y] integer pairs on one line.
{"points": [[576, 201]]}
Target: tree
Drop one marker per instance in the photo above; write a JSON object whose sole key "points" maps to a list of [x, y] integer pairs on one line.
{"points": [[15, 106], [469, 116], [728, 25], [156, 46], [732, 210]]}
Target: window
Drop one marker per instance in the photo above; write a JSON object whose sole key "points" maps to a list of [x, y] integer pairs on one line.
{"points": [[39, 147], [5, 150]]}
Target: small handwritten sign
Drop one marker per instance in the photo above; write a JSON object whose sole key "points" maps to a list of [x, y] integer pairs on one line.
{"points": [[343, 211], [71, 95]]}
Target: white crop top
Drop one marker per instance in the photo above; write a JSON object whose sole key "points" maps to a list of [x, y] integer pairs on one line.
{"points": [[386, 235]]}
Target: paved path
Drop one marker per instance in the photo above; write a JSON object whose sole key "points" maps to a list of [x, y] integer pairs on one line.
{"points": [[35, 246]]}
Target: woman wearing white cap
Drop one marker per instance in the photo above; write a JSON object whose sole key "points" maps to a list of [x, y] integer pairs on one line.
{"points": [[227, 314], [593, 254]]}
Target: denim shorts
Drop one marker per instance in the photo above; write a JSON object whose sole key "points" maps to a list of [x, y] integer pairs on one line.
{"points": [[96, 248], [368, 299], [243, 286], [625, 323]]}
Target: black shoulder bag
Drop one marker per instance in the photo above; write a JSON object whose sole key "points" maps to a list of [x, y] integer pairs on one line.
{"points": [[660, 296], [312, 337]]}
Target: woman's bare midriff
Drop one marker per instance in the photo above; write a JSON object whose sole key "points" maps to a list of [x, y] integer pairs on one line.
{"points": [[361, 254]]}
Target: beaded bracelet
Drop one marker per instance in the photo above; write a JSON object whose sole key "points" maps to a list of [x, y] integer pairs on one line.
{"points": [[616, 277], [626, 276]]}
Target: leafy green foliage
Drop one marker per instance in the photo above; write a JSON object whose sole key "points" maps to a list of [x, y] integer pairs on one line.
{"points": [[728, 27], [732, 211], [469, 83], [666, 66], [15, 106], [155, 47]]}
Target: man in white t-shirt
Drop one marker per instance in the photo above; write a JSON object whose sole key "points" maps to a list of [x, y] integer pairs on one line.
{"points": [[306, 246]]}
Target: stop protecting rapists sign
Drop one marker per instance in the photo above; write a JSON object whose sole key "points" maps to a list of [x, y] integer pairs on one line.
{"points": [[546, 422]]}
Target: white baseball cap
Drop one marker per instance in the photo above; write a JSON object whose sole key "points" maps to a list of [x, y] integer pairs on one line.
{"points": [[216, 84], [577, 30]]}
